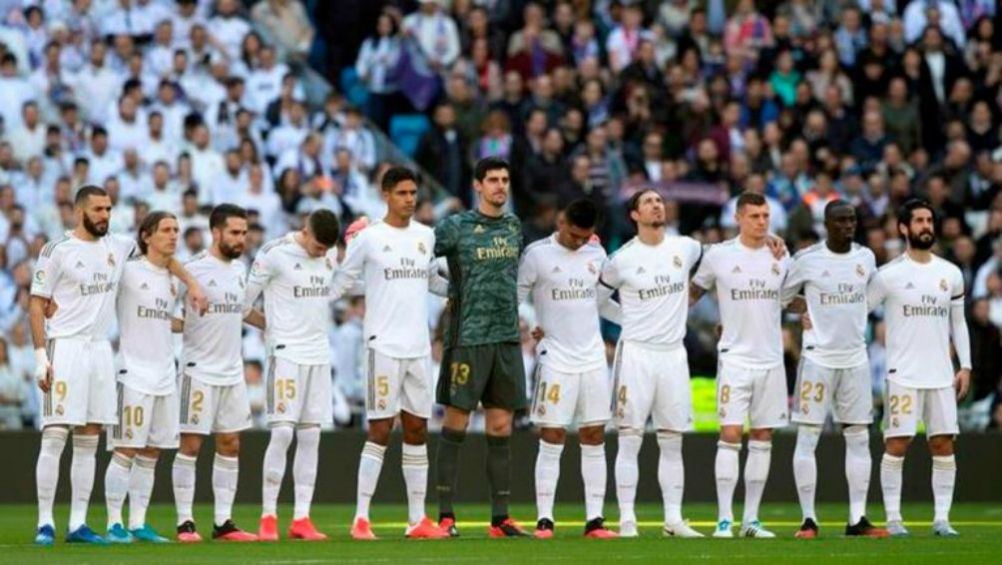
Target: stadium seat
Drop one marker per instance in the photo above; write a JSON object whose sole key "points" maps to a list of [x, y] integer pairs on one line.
{"points": [[406, 131], [353, 88]]}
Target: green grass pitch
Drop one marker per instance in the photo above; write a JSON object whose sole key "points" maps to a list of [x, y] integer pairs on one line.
{"points": [[980, 526]]}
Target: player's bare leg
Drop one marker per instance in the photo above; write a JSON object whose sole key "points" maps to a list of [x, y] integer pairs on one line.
{"points": [[756, 475], [551, 446], [594, 474], [627, 476], [47, 478], [895, 449], [454, 424], [82, 470], [140, 489], [726, 469]]}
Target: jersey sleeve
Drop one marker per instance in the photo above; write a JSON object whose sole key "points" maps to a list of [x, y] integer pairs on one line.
{"points": [[261, 272], [795, 279], [527, 275], [349, 273], [876, 291], [124, 246], [957, 287], [47, 273], [610, 277], [705, 277], [695, 250], [446, 237]]}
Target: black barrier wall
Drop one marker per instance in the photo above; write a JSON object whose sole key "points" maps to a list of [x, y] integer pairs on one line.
{"points": [[979, 460]]}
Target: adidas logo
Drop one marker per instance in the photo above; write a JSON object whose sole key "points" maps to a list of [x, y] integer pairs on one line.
{"points": [[298, 267], [478, 229], [909, 286], [826, 274], [144, 286], [387, 249], [212, 282], [736, 269], [556, 269], [641, 270], [80, 265]]}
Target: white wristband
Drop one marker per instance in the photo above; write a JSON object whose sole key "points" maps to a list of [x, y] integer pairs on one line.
{"points": [[41, 357]]}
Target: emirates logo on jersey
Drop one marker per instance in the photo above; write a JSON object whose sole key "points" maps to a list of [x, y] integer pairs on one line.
{"points": [[860, 270], [421, 248], [677, 261], [943, 286]]}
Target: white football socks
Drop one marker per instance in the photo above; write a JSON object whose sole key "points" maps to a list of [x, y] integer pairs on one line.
{"points": [[225, 474], [370, 464], [547, 475], [890, 483], [82, 477], [140, 490], [274, 467], [47, 471], [304, 469], [805, 468], [627, 472], [726, 468], [671, 475], [594, 474], [414, 461], [944, 476], [116, 486], [756, 474], [183, 479], [858, 466]]}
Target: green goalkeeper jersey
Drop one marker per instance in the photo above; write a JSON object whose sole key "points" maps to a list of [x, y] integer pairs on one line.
{"points": [[483, 254]]}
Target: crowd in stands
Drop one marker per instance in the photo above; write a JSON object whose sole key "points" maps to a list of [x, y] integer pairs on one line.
{"points": [[183, 104]]}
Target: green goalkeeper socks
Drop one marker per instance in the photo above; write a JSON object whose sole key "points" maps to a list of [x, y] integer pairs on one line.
{"points": [[499, 474], [447, 467]]}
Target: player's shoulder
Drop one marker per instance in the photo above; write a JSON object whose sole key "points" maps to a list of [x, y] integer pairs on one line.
{"points": [[58, 243], [714, 250], [894, 266], [196, 260], [863, 252], [809, 252], [275, 244], [625, 251], [947, 266], [538, 246]]}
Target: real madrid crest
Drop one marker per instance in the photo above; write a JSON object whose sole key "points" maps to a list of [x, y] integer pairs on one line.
{"points": [[591, 268], [59, 410], [194, 419], [421, 248], [860, 270], [677, 262], [775, 269], [942, 285], [330, 266], [281, 408], [111, 259]]}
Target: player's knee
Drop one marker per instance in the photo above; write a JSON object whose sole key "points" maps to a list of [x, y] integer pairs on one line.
{"points": [[941, 446], [281, 436], [150, 453], [762, 434], [227, 445], [731, 434], [592, 435], [897, 446], [415, 431], [191, 444], [556, 436], [669, 440], [379, 431], [808, 437], [499, 424]]}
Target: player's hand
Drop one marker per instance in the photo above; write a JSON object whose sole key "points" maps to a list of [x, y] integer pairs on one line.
{"points": [[358, 225], [198, 299], [595, 239], [805, 321], [718, 331], [537, 334], [777, 246], [962, 383], [43, 369], [50, 309]]}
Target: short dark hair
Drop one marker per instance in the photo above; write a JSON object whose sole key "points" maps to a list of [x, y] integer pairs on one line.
{"points": [[325, 226], [488, 164], [86, 192], [582, 213], [750, 199], [634, 202], [150, 224], [220, 214], [836, 204], [396, 175], [908, 209]]}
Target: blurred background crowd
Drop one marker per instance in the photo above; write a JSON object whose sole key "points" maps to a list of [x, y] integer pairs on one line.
{"points": [[284, 106]]}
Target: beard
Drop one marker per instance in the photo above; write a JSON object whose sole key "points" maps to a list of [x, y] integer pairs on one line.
{"points": [[231, 251], [95, 229], [922, 241]]}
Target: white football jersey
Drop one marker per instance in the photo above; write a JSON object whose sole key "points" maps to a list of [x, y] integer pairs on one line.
{"points": [[653, 284], [297, 291], [748, 285], [393, 264], [917, 299], [147, 296], [834, 286], [213, 341], [82, 278], [564, 289]]}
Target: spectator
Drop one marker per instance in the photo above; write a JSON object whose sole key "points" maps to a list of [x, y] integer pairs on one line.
{"points": [[376, 65], [443, 152], [12, 392], [534, 50], [435, 32], [287, 24]]}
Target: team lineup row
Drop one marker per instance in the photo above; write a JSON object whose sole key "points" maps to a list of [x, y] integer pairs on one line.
{"points": [[90, 277]]}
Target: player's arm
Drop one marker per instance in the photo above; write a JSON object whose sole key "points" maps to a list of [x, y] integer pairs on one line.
{"points": [[40, 307], [791, 296], [527, 276], [349, 272], [255, 318], [704, 279], [961, 338], [876, 292], [607, 307], [446, 237], [438, 279], [776, 245], [176, 325], [261, 272], [195, 294]]}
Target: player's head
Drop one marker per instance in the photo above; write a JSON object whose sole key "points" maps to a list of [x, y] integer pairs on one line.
{"points": [[491, 180], [228, 224], [158, 233], [646, 208], [400, 191], [752, 215], [576, 223], [917, 224], [320, 232], [840, 222], [92, 207]]}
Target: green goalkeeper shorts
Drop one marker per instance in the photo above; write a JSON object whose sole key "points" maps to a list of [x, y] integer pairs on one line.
{"points": [[491, 374]]}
